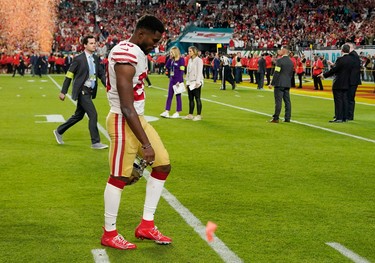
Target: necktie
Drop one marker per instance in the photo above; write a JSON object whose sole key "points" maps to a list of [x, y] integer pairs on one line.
{"points": [[92, 71]]}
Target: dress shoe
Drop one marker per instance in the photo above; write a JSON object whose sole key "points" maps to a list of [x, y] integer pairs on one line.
{"points": [[336, 121], [274, 121], [99, 146]]}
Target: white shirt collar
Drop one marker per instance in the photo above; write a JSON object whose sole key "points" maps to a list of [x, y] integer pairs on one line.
{"points": [[88, 55]]}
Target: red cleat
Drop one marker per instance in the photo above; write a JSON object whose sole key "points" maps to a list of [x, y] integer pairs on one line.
{"points": [[152, 234], [117, 242]]}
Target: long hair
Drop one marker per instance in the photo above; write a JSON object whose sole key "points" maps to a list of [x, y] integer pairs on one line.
{"points": [[175, 52], [195, 50]]}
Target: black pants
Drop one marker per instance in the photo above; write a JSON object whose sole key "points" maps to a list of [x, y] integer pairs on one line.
{"points": [[257, 77], [84, 105], [251, 74], [280, 94], [341, 103], [351, 102], [317, 82], [238, 74], [268, 75], [300, 75], [215, 74], [161, 68], [293, 80], [19, 69], [227, 76], [148, 81], [195, 94], [206, 72]]}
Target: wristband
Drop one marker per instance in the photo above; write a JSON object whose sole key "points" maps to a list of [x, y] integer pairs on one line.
{"points": [[146, 146]]}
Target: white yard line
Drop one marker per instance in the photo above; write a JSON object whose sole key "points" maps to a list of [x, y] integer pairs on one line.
{"points": [[347, 253], [217, 245]]}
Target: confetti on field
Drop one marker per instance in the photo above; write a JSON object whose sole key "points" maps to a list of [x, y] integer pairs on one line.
{"points": [[210, 230]]}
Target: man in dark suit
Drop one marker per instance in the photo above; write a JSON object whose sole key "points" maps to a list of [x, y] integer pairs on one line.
{"points": [[281, 80], [340, 86], [355, 80], [261, 71], [85, 71]]}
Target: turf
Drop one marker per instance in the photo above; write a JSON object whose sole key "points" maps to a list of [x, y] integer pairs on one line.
{"points": [[278, 192]]}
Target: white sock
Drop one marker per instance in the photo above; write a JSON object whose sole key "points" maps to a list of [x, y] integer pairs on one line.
{"points": [[112, 198], [154, 188]]}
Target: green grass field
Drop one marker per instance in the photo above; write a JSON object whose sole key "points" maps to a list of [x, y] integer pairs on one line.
{"points": [[278, 192]]}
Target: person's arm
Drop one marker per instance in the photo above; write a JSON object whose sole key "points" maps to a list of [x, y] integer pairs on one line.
{"points": [[276, 74], [101, 74], [336, 68], [199, 72], [124, 79], [68, 78]]}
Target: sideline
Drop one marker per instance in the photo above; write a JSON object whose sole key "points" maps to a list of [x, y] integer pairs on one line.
{"points": [[293, 121], [217, 245]]}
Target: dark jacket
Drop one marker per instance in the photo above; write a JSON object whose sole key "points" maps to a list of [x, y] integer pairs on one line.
{"points": [[79, 72], [342, 71], [262, 66], [355, 75], [282, 76]]}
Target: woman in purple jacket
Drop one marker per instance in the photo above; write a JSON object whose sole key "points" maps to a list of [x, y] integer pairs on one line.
{"points": [[176, 67]]}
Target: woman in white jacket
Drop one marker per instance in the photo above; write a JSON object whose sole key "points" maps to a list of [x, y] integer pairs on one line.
{"points": [[194, 83]]}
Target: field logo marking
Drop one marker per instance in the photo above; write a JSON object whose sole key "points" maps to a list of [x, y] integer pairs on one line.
{"points": [[347, 253], [51, 118], [100, 256]]}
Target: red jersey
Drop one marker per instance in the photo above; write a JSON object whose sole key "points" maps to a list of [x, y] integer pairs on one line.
{"points": [[299, 67], [317, 67], [253, 64], [268, 61]]}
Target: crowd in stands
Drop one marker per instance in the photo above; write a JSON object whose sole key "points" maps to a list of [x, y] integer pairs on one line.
{"points": [[298, 23], [256, 24]]}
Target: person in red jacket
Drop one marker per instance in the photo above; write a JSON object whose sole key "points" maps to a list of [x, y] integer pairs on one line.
{"points": [[268, 59], [18, 65], [160, 61], [206, 65], [253, 67], [2, 63], [9, 63], [299, 71], [51, 62], [308, 67], [317, 69], [59, 63], [293, 58]]}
